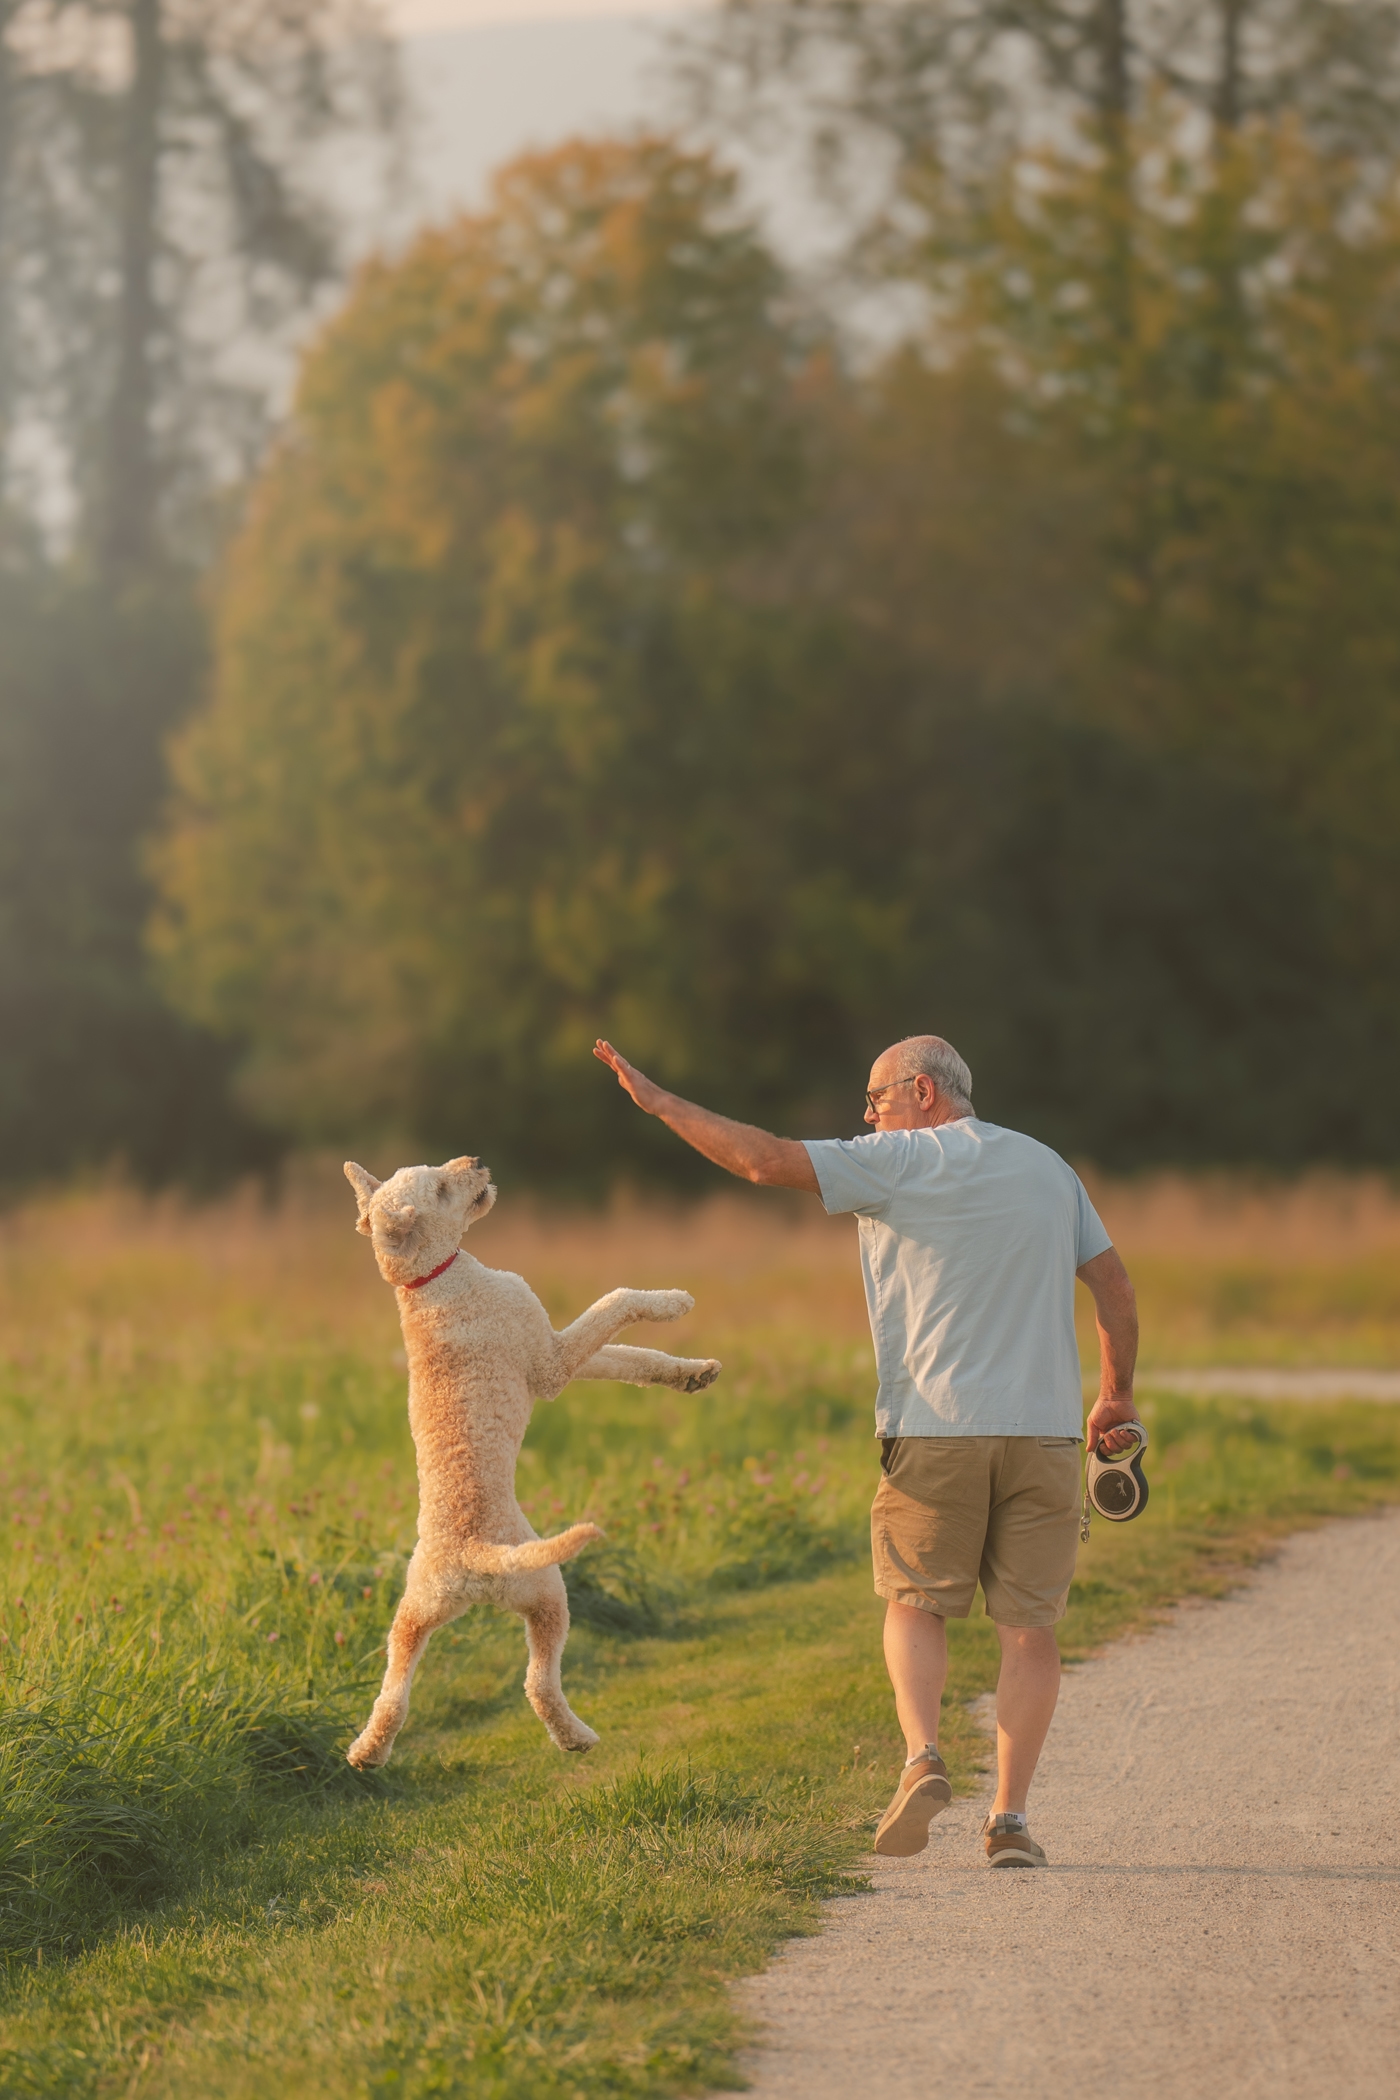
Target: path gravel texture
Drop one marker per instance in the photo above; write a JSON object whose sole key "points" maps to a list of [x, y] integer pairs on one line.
{"points": [[1220, 1800]]}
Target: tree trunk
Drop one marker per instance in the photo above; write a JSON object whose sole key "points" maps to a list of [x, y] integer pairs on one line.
{"points": [[8, 116], [126, 493], [1228, 87], [1114, 114], [1115, 84]]}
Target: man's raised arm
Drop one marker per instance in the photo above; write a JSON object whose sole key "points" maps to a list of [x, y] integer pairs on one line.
{"points": [[753, 1154]]}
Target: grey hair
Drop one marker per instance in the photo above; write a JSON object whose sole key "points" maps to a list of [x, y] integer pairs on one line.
{"points": [[940, 1062]]}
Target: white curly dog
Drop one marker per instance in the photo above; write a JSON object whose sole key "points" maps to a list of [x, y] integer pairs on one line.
{"points": [[481, 1351]]}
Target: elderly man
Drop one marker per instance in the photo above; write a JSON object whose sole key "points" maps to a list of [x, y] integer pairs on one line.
{"points": [[971, 1237]]}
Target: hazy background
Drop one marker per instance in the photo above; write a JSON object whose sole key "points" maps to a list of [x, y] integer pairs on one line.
{"points": [[879, 519]]}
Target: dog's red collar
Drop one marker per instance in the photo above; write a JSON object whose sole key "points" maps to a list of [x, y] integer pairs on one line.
{"points": [[419, 1281]]}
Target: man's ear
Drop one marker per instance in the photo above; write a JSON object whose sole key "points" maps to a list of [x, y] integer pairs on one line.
{"points": [[364, 1186], [479, 1184]]}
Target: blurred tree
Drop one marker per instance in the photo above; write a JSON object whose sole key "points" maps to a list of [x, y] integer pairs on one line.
{"points": [[165, 214], [166, 218], [1134, 942], [93, 1067], [971, 83], [1242, 430], [1172, 235], [597, 658], [474, 781]]}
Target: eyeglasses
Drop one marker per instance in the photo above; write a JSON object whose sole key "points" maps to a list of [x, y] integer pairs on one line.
{"points": [[875, 1092]]}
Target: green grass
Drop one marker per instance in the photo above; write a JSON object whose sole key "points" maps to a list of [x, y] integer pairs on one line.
{"points": [[205, 1526], [1293, 1313]]}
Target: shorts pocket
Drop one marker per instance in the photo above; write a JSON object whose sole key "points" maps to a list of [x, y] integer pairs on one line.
{"points": [[1057, 1443]]}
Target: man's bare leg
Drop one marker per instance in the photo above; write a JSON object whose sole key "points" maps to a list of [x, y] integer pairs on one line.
{"points": [[1027, 1690], [916, 1656]]}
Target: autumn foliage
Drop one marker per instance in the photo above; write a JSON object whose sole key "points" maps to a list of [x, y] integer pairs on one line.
{"points": [[605, 652]]}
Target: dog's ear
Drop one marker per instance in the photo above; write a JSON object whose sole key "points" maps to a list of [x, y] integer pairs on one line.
{"points": [[479, 1186], [364, 1186]]}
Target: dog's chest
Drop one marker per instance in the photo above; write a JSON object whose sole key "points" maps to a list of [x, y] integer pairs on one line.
{"points": [[464, 1365]]}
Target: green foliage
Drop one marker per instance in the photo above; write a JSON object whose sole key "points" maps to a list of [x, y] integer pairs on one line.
{"points": [[597, 659], [486, 698]]}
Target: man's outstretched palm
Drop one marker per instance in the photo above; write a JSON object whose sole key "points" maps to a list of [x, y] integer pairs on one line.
{"points": [[645, 1092]]}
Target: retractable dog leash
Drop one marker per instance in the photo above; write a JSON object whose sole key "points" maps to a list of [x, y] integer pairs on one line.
{"points": [[1115, 1484]]}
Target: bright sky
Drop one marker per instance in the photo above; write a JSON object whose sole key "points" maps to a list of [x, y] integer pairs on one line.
{"points": [[406, 16]]}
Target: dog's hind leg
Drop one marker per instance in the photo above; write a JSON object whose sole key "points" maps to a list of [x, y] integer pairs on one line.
{"points": [[688, 1374], [415, 1622], [546, 1630]]}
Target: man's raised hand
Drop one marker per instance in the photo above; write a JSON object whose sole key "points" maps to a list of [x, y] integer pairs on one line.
{"points": [[751, 1154], [645, 1092]]}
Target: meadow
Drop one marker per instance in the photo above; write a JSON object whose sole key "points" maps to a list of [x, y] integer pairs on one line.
{"points": [[209, 1499]]}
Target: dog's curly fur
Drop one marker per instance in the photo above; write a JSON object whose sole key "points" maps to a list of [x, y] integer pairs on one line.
{"points": [[481, 1351]]}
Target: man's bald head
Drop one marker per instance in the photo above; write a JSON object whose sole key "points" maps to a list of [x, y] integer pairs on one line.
{"points": [[936, 1059]]}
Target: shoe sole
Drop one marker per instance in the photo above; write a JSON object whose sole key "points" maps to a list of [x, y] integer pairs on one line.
{"points": [[1016, 1859], [906, 1831]]}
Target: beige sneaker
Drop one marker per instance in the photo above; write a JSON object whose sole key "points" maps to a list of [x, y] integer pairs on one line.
{"points": [[923, 1792], [1010, 1844]]}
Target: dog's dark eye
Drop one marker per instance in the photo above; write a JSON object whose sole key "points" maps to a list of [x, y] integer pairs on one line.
{"points": [[442, 1191]]}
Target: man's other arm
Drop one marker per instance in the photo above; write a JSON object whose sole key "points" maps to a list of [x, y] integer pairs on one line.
{"points": [[1115, 1313], [740, 1148]]}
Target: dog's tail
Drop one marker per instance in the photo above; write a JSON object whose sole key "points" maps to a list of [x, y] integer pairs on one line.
{"points": [[484, 1559]]}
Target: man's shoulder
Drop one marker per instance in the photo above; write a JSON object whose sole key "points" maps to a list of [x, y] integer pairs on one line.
{"points": [[868, 1147], [978, 1147]]}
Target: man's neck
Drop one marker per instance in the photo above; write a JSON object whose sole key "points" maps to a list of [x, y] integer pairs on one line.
{"points": [[935, 1117]]}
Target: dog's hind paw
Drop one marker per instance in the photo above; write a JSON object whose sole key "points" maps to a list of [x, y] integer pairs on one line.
{"points": [[698, 1380], [365, 1754], [579, 1740]]}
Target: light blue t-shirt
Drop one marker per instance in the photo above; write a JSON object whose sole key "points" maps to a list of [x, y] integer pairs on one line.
{"points": [[969, 1238]]}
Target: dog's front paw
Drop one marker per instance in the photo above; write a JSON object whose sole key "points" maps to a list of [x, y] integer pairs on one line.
{"points": [[666, 1305], [706, 1375]]}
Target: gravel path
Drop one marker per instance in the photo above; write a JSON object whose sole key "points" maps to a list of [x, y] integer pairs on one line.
{"points": [[1221, 1803]]}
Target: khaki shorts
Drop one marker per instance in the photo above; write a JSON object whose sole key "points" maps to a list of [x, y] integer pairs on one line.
{"points": [[953, 1511]]}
